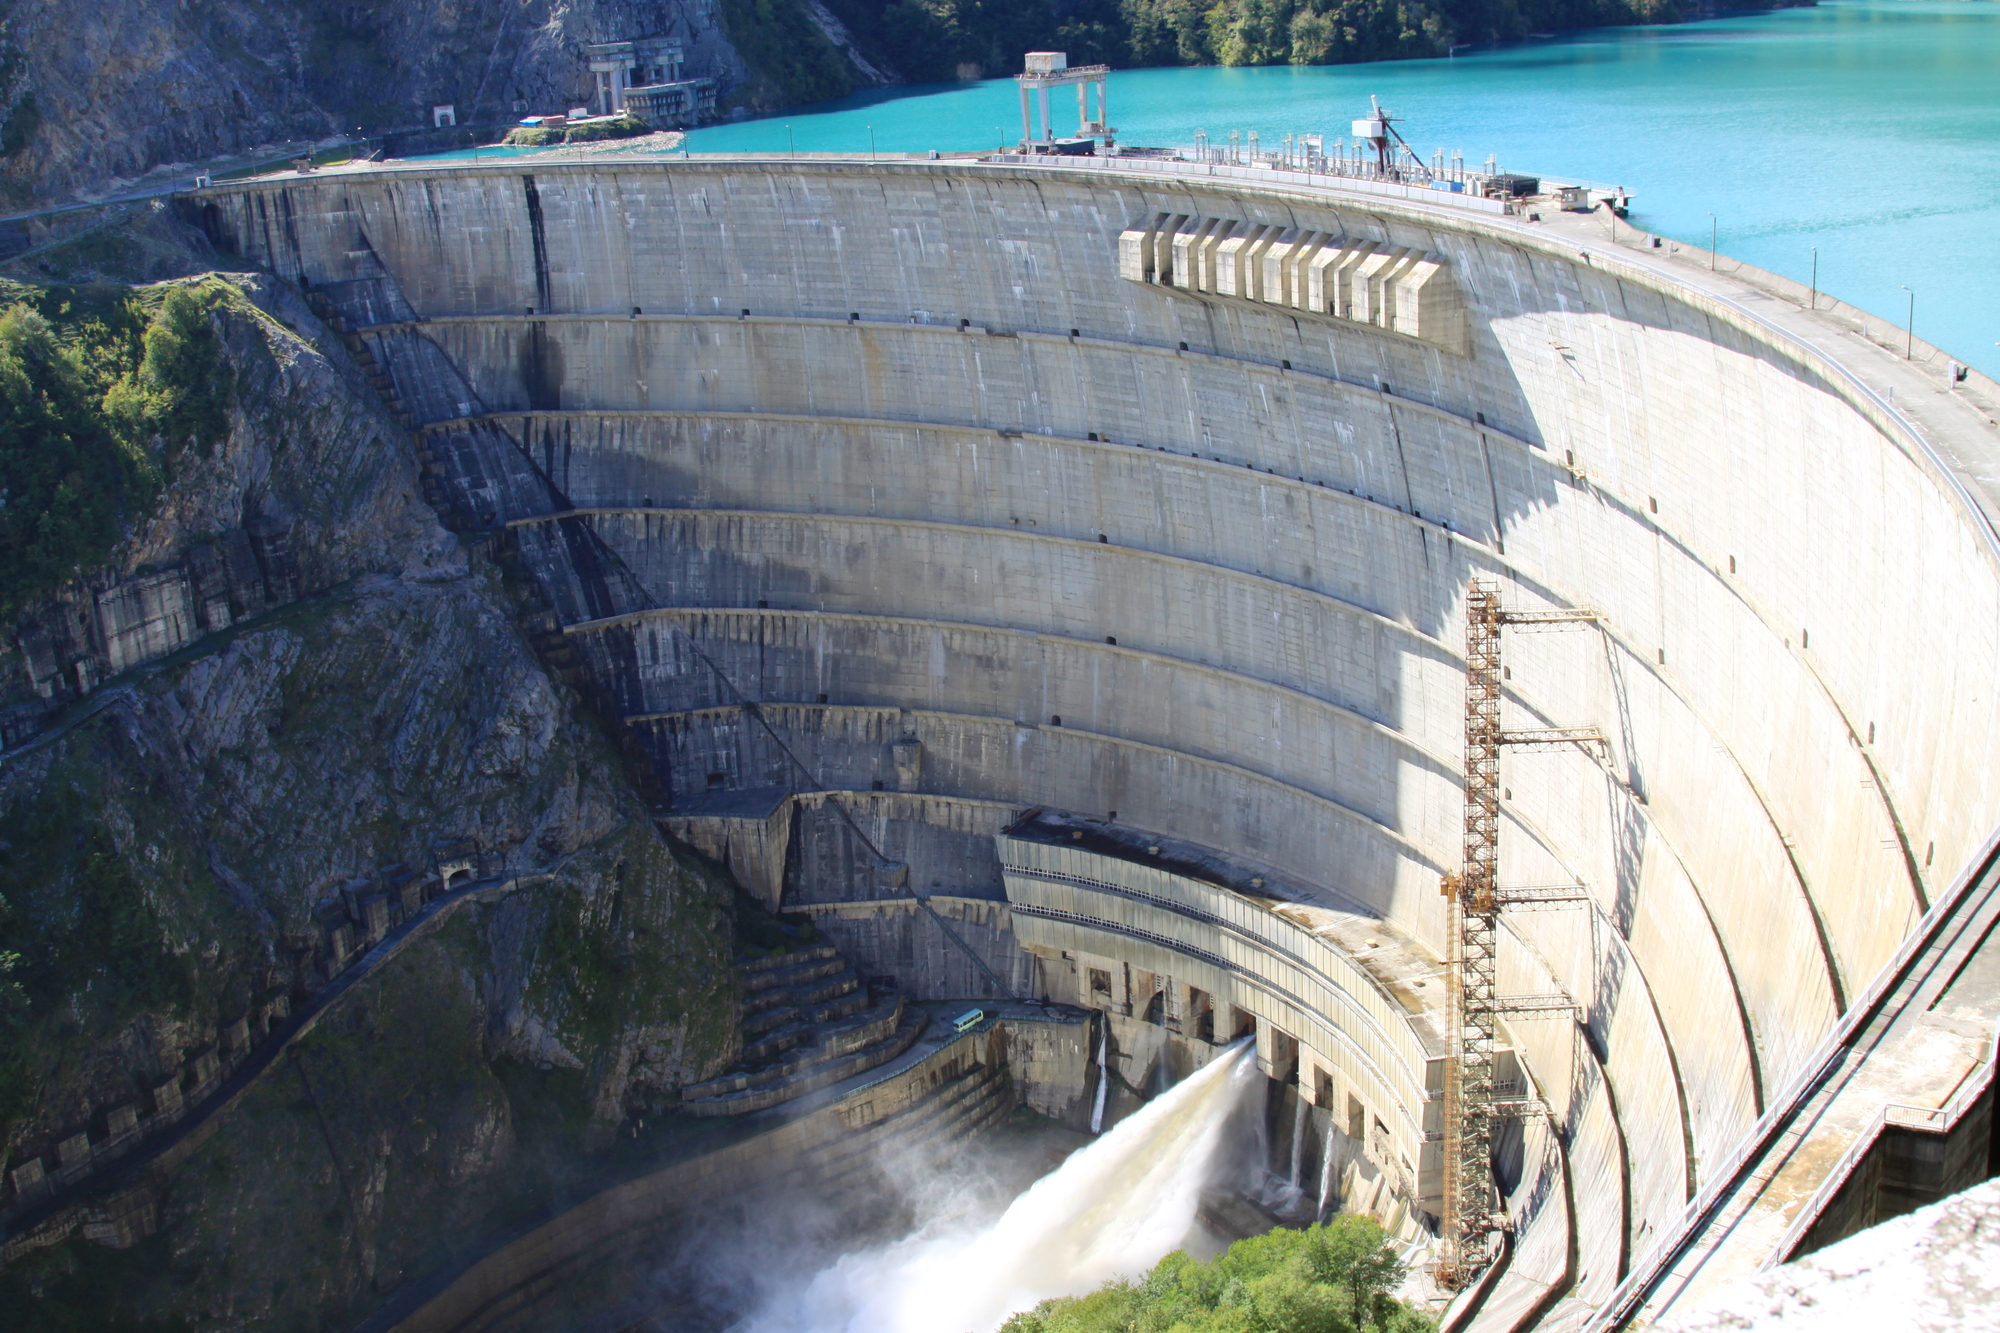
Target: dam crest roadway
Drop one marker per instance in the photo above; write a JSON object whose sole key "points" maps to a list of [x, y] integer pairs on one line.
{"points": [[1126, 620]]}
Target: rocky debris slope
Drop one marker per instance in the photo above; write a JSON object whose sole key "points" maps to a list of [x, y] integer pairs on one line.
{"points": [[1936, 1270]]}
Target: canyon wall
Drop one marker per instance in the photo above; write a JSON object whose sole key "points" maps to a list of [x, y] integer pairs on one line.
{"points": [[312, 692]]}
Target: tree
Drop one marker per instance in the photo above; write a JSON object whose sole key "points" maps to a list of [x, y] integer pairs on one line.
{"points": [[1353, 1252], [1324, 1279]]}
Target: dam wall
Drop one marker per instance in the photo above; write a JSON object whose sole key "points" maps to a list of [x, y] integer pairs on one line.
{"points": [[972, 515]]}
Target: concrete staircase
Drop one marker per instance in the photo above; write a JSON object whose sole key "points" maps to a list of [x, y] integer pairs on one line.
{"points": [[807, 1023], [960, 1107]]}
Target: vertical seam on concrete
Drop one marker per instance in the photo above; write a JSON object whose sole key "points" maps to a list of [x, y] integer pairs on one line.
{"points": [[1493, 493], [1834, 969], [1403, 460], [1563, 1285], [1750, 1045], [1763, 803], [1580, 1037], [1833, 700], [1579, 1033], [1881, 787], [539, 235]]}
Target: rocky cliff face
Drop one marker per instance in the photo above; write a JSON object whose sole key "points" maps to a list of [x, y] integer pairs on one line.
{"points": [[177, 842], [90, 94]]}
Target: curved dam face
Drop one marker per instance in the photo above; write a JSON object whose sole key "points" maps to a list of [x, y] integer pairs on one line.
{"points": [[1008, 491]]}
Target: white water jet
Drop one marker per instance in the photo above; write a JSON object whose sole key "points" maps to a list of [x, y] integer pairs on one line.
{"points": [[1298, 1140], [1114, 1208], [1326, 1169], [1103, 1074]]}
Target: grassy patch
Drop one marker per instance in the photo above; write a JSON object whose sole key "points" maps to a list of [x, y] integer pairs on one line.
{"points": [[532, 136], [101, 389], [535, 136], [551, 1106], [633, 940], [625, 127]]}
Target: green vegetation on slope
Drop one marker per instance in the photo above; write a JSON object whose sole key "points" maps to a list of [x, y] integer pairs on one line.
{"points": [[89, 945], [931, 40], [787, 50], [1333, 1278], [99, 392], [634, 939]]}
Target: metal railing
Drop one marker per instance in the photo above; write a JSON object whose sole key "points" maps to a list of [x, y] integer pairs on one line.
{"points": [[1266, 175], [1900, 1115]]}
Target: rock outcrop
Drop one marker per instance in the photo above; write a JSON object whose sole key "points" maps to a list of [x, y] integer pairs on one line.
{"points": [[96, 94], [187, 831]]}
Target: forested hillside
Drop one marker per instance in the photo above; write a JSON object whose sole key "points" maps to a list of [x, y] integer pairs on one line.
{"points": [[942, 39]]}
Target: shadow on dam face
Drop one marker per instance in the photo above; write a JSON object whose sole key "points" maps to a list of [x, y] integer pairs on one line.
{"points": [[980, 522]]}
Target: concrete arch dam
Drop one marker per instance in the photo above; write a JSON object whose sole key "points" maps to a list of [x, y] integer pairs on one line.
{"points": [[1117, 576]]}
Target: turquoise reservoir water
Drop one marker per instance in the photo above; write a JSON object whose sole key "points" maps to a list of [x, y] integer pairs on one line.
{"points": [[1867, 128]]}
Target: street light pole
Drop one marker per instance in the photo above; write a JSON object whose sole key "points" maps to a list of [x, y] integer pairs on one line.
{"points": [[791, 144], [1714, 231], [871, 143], [1815, 278], [1910, 328]]}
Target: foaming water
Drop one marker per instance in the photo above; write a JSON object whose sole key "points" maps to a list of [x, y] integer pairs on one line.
{"points": [[1113, 1208]]}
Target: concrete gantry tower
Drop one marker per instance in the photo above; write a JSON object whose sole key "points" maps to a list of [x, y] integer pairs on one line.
{"points": [[1051, 69]]}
